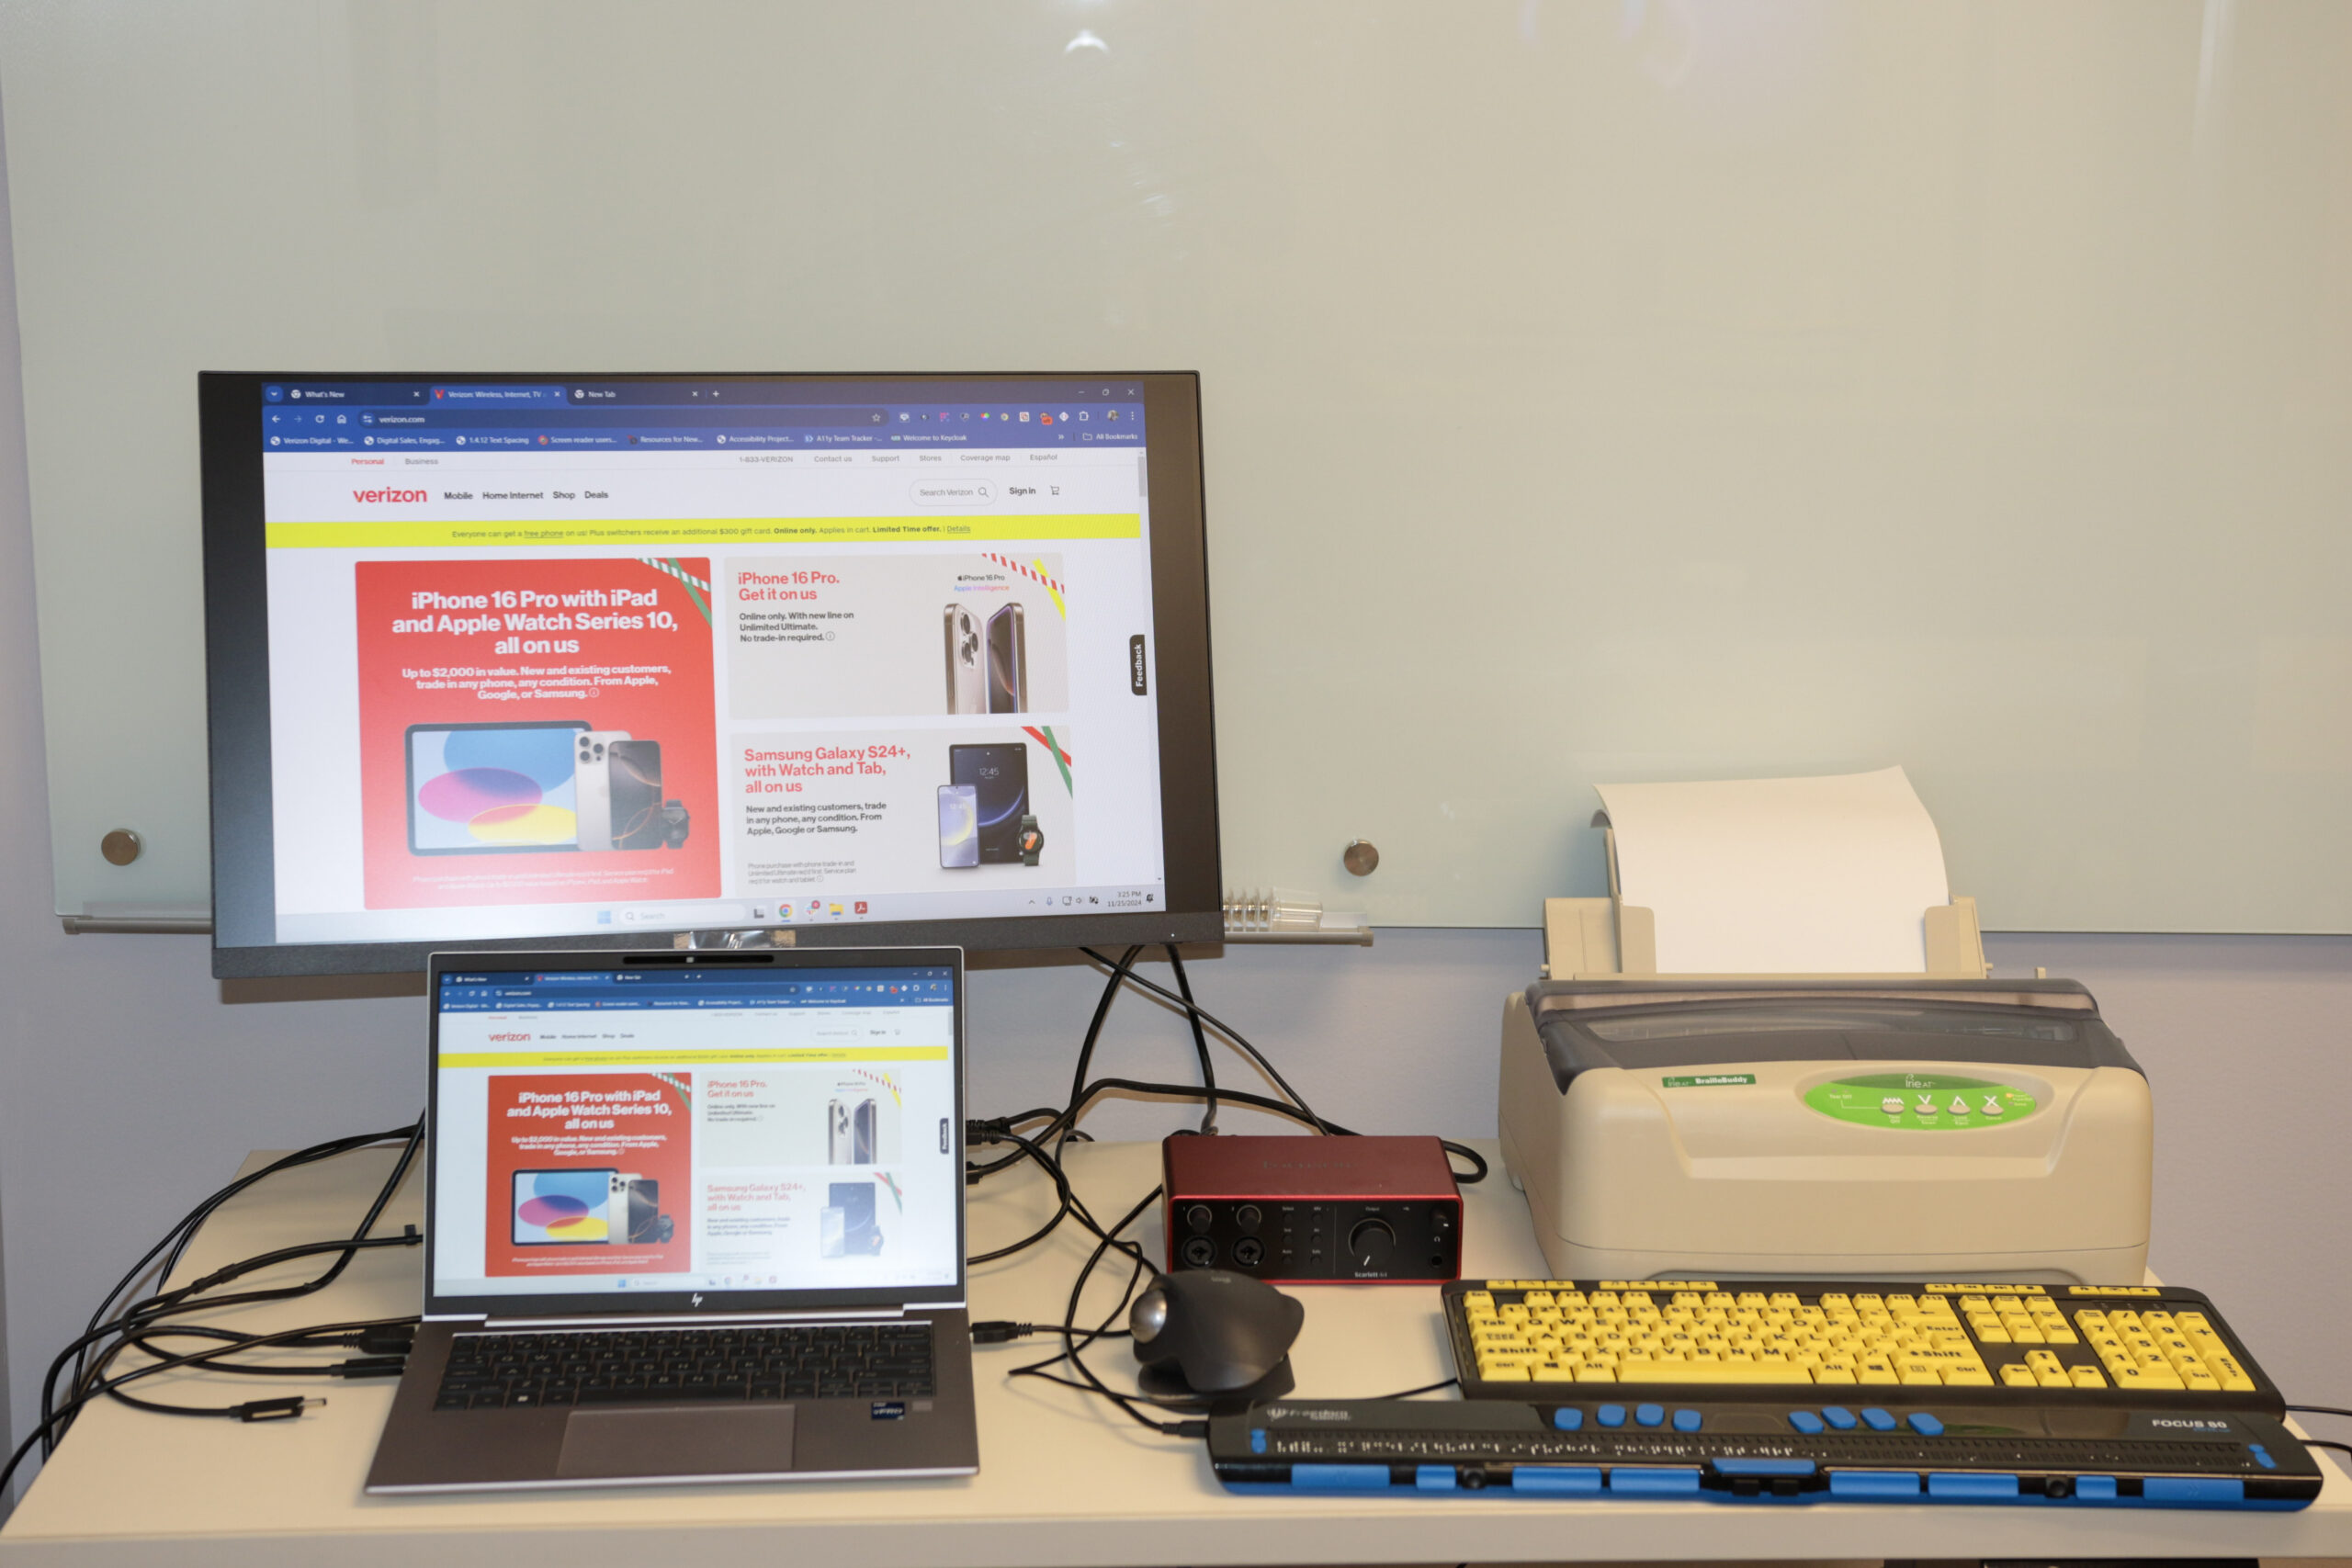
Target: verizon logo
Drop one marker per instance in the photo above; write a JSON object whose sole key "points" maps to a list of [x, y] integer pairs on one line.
{"points": [[381, 496], [522, 1036]]}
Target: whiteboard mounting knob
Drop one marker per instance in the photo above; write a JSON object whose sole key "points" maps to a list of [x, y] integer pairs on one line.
{"points": [[120, 847], [1360, 857]]}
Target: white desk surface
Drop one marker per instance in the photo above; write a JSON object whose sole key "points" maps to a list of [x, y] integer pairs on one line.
{"points": [[1064, 1478]]}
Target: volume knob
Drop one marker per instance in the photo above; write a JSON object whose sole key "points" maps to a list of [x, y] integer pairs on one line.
{"points": [[1371, 1245]]}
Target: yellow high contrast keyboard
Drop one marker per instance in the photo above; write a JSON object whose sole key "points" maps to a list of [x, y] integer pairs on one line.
{"points": [[1508, 1333]]}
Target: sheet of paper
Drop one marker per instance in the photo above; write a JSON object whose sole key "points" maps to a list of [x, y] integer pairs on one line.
{"points": [[1754, 876]]}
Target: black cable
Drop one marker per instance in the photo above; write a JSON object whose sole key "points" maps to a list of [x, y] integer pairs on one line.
{"points": [[144, 1314], [1425, 1388], [1074, 1345], [176, 1239], [1264, 1102], [1094, 1033], [2319, 1410], [51, 1422], [1199, 1043], [2344, 1449], [1201, 1014]]}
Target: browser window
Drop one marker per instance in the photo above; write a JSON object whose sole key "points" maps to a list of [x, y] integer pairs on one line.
{"points": [[605, 1130], [599, 658]]}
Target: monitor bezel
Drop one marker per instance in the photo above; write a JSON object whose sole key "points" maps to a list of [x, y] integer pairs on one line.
{"points": [[244, 944], [709, 1303]]}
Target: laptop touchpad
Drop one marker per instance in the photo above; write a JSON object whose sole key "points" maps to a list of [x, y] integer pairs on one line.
{"points": [[721, 1439]]}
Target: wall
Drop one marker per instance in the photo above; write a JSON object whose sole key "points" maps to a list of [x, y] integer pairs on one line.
{"points": [[131, 1084]]}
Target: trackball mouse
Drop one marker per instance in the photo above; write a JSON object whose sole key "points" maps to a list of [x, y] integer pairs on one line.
{"points": [[1214, 1332]]}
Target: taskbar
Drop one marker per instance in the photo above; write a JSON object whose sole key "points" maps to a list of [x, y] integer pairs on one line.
{"points": [[492, 923]]}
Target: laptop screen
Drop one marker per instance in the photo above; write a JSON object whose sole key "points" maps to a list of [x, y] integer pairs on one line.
{"points": [[739, 1134]]}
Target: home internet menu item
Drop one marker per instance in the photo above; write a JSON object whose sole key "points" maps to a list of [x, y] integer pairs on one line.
{"points": [[651, 654]]}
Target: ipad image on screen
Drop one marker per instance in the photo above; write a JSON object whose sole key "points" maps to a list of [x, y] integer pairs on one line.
{"points": [[999, 775], [572, 1207], [485, 789]]}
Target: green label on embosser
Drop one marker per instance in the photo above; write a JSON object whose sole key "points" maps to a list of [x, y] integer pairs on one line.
{"points": [[1921, 1101]]}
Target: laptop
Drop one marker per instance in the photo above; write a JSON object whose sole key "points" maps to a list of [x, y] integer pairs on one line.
{"points": [[690, 1217]]}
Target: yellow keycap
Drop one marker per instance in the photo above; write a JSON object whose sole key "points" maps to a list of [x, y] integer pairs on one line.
{"points": [[1503, 1374], [1968, 1377], [2233, 1376], [2086, 1377], [1589, 1374], [2015, 1374], [1536, 1298], [1551, 1371]]}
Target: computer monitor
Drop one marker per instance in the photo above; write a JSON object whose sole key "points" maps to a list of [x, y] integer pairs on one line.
{"points": [[589, 660]]}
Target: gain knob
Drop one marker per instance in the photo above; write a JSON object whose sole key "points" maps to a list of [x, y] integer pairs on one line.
{"points": [[1371, 1245]]}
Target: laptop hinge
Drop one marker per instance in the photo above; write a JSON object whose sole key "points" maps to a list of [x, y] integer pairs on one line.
{"points": [[634, 1320]]}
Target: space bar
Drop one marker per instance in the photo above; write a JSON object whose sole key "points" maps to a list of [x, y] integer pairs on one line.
{"points": [[641, 1396], [1710, 1371]]}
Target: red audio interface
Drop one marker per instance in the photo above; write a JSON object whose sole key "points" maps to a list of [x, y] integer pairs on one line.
{"points": [[1313, 1210]]}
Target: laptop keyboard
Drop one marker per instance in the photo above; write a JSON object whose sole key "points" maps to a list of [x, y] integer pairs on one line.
{"points": [[890, 1360]]}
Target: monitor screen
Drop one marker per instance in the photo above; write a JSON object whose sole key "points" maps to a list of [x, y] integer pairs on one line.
{"points": [[591, 661], [627, 1130]]}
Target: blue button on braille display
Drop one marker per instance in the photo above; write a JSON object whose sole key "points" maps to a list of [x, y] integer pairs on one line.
{"points": [[1838, 1416], [1805, 1421], [1567, 1419], [1925, 1425], [1878, 1420], [2262, 1455], [1258, 1441], [2095, 1488], [2193, 1489], [1434, 1477], [1686, 1420], [1650, 1414], [1611, 1415]]}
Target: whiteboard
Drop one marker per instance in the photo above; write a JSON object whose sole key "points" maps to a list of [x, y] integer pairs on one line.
{"points": [[1630, 389]]}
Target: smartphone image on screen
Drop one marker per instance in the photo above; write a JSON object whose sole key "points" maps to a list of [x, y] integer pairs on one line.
{"points": [[861, 1238], [1009, 660], [959, 827], [636, 768], [999, 775], [837, 1145], [863, 1124], [967, 686], [491, 789], [591, 785], [636, 1215], [564, 1207]]}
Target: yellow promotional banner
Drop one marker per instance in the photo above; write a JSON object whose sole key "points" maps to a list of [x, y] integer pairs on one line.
{"points": [[676, 533], [716, 1058]]}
